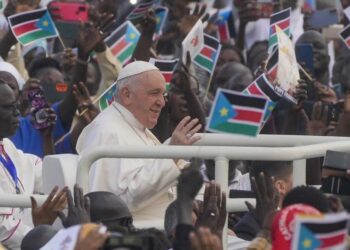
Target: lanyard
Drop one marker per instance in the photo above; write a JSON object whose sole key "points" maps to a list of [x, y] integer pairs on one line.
{"points": [[11, 169]]}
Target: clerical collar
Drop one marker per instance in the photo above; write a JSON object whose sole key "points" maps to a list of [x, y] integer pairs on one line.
{"points": [[130, 118]]}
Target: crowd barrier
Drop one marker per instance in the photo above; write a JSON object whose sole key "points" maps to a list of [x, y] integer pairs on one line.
{"points": [[219, 147]]}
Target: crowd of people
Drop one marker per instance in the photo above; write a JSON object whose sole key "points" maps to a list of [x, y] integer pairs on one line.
{"points": [[162, 203]]}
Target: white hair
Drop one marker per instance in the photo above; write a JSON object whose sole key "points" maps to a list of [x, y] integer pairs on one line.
{"points": [[129, 82]]}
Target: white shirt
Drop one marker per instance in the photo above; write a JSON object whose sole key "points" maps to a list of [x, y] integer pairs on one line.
{"points": [[142, 183], [29, 168]]}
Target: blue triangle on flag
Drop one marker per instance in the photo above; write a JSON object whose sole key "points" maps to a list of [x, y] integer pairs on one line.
{"points": [[307, 240], [45, 23], [132, 35], [222, 112]]}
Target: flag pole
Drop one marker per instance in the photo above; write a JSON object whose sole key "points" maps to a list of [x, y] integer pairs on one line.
{"points": [[61, 41], [305, 73], [211, 75], [93, 103]]}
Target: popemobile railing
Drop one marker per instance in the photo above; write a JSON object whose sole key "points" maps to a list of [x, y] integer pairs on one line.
{"points": [[221, 148]]}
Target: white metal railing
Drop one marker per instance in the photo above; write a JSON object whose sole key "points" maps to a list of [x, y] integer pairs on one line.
{"points": [[227, 147], [222, 149], [263, 147]]}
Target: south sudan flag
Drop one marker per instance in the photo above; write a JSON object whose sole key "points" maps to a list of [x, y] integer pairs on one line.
{"points": [[30, 26]]}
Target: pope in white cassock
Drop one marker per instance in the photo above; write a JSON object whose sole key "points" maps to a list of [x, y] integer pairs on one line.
{"points": [[142, 183], [19, 174]]}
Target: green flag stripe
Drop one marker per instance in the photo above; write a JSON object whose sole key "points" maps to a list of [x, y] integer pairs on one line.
{"points": [[238, 128], [122, 57], [34, 36], [204, 62]]}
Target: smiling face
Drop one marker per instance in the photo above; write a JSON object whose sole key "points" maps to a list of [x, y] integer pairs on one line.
{"points": [[144, 97], [9, 112]]}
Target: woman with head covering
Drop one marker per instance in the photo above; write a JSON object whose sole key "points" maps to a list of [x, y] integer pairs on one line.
{"points": [[10, 75]]}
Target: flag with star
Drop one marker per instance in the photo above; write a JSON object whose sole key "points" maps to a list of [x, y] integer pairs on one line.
{"points": [[209, 54], [166, 67], [161, 16], [320, 232], [107, 97], [225, 25], [282, 20], [140, 10], [236, 113], [262, 87], [123, 41], [30, 26], [345, 35]]}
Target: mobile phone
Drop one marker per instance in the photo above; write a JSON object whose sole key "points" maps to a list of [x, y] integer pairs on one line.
{"points": [[38, 108], [304, 55], [323, 18], [334, 111], [68, 31], [69, 11], [55, 91], [337, 160]]}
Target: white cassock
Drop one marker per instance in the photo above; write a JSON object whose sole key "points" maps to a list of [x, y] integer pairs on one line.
{"points": [[142, 183], [13, 224]]}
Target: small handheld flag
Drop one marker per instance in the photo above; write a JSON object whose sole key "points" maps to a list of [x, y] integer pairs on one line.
{"points": [[320, 232], [287, 71], [225, 24], [236, 113], [140, 10], [209, 54], [123, 41], [30, 26], [161, 16], [194, 41], [166, 67], [262, 87], [282, 20], [107, 97], [345, 36]]}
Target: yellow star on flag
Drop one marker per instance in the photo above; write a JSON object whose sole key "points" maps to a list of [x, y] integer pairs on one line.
{"points": [[45, 23], [132, 35], [158, 20], [307, 243], [223, 111]]}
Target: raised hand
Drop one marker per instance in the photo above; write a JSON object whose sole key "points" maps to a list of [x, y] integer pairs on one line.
{"points": [[78, 209], [188, 21], [91, 34], [317, 125], [190, 181], [47, 213], [148, 24], [184, 133], [267, 200], [86, 108], [300, 94], [203, 239], [213, 212]]}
